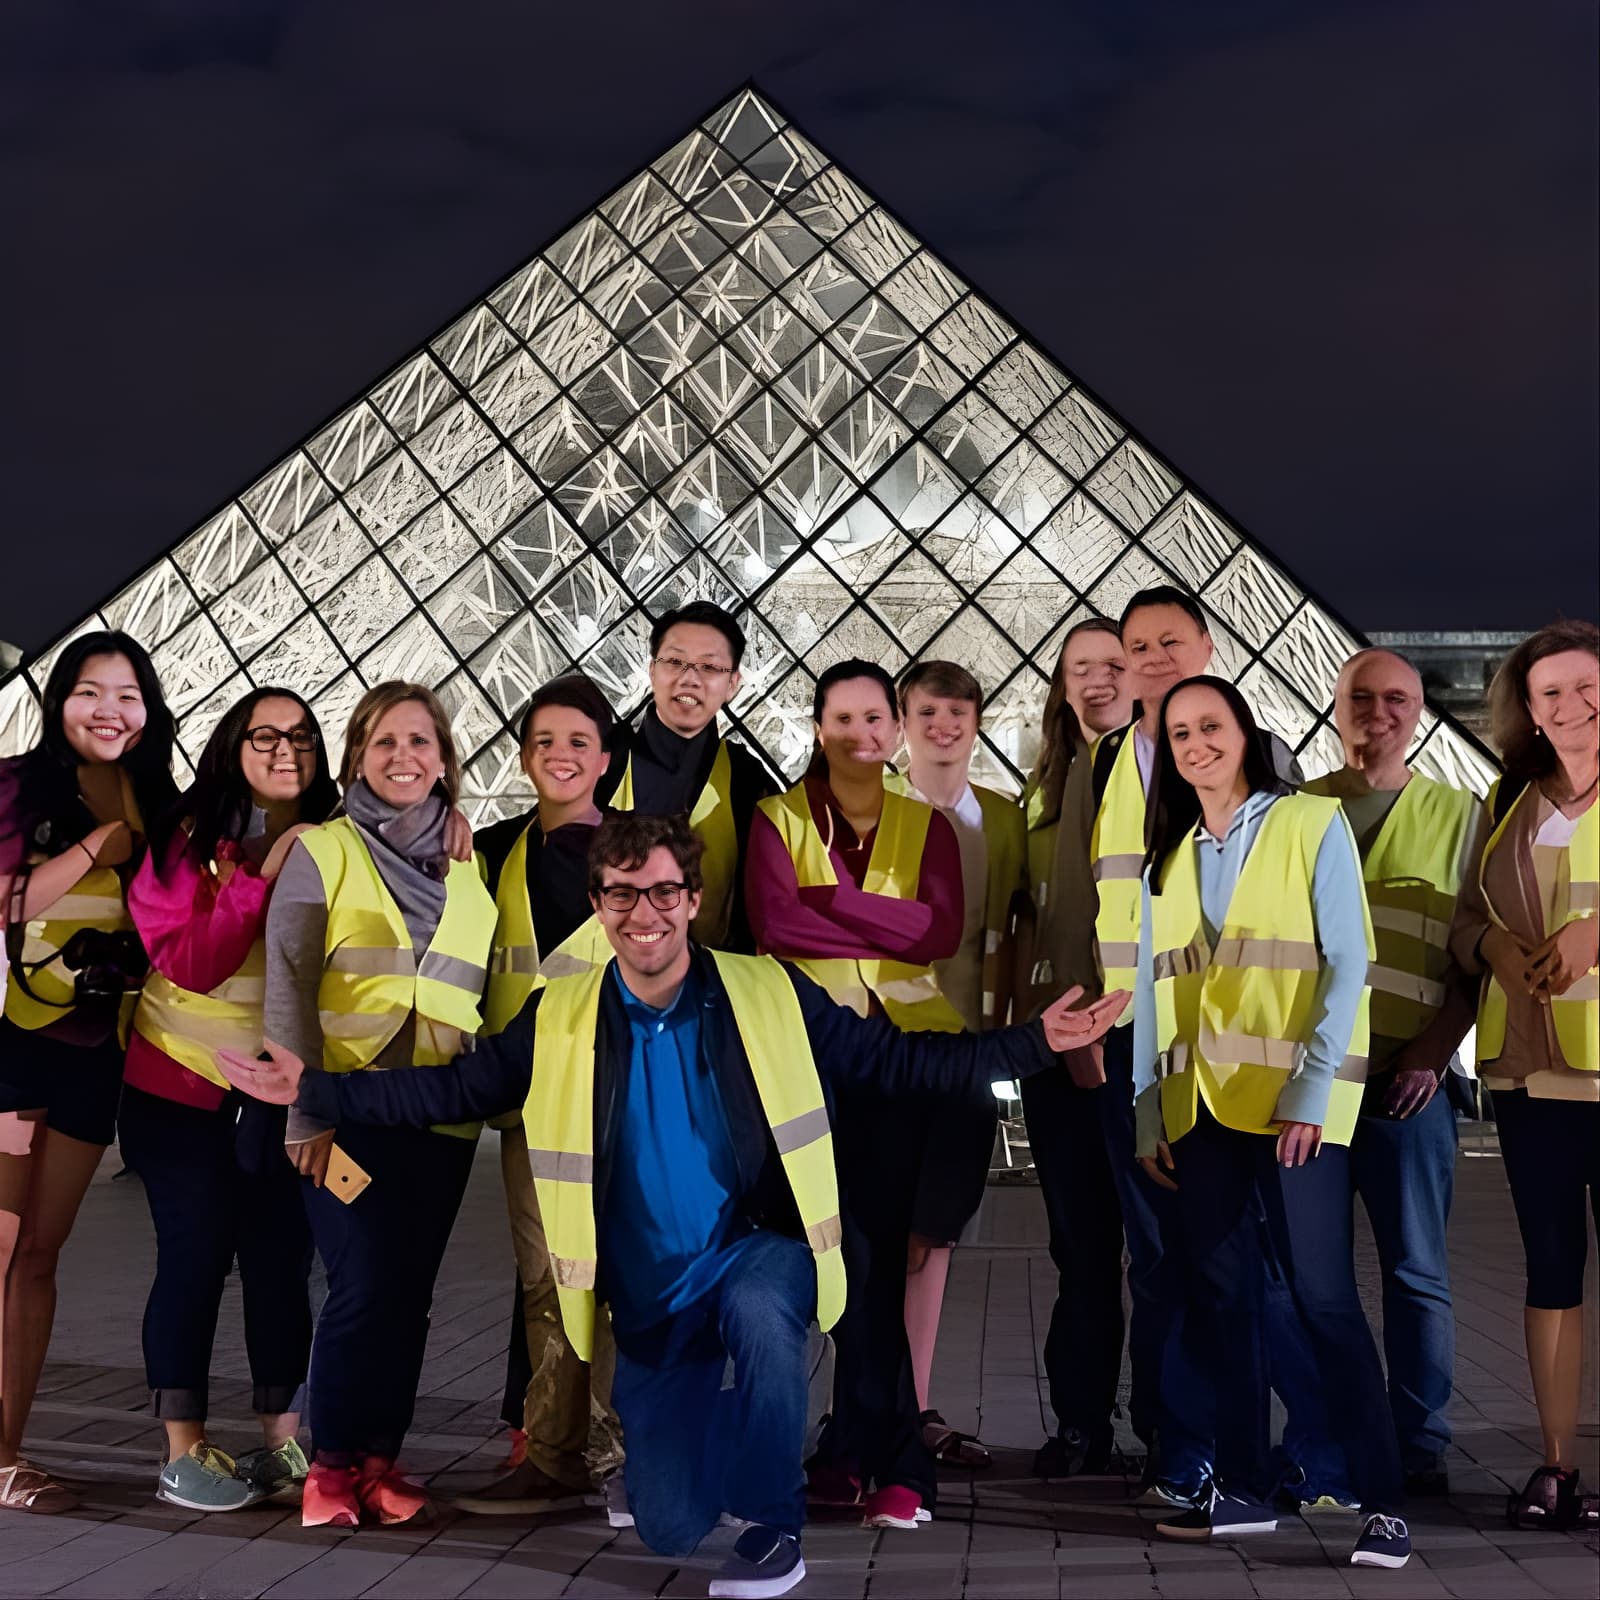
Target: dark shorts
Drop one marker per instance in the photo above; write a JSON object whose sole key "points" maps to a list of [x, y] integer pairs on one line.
{"points": [[957, 1137], [78, 1087]]}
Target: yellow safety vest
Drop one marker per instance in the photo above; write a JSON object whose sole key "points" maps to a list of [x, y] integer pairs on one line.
{"points": [[192, 1027], [560, 1125], [908, 993], [371, 979], [1116, 858], [516, 968], [1232, 1021], [96, 900], [1574, 1015], [1412, 871], [712, 821]]}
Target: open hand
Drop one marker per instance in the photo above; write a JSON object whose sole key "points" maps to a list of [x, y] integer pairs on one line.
{"points": [[1563, 958], [1069, 1029], [458, 835], [275, 1080], [1153, 1164], [1298, 1143]]}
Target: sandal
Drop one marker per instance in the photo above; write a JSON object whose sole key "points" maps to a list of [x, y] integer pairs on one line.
{"points": [[26, 1488], [1549, 1499], [950, 1447]]}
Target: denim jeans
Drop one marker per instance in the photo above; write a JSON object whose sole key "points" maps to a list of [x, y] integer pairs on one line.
{"points": [[1173, 1400], [696, 1447]]}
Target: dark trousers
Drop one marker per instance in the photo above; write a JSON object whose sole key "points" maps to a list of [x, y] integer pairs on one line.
{"points": [[209, 1210], [1172, 1401], [696, 1447], [1228, 1182], [1551, 1152], [382, 1253], [519, 1366], [876, 1428], [1083, 1349]]}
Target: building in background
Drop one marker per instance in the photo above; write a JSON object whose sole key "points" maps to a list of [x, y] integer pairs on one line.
{"points": [[1456, 669], [738, 378]]}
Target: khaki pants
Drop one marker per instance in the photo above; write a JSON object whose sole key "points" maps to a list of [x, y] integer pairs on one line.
{"points": [[573, 1434]]}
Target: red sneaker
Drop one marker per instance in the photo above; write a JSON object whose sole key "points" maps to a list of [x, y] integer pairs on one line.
{"points": [[389, 1496], [330, 1498], [833, 1487], [893, 1507]]}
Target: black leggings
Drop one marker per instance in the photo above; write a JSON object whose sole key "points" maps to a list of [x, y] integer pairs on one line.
{"points": [[1551, 1150], [208, 1209]]}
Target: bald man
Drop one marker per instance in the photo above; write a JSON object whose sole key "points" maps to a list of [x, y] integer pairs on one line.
{"points": [[1418, 839]]}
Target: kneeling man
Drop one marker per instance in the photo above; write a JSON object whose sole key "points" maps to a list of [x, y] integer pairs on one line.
{"points": [[676, 1104]]}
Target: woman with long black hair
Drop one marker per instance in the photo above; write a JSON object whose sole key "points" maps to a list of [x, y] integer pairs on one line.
{"points": [[212, 1162], [1250, 1043], [69, 843]]}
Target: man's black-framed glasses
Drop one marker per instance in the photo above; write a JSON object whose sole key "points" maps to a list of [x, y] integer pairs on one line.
{"points": [[266, 738], [625, 896]]}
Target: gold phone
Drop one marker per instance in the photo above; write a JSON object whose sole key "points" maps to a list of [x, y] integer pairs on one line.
{"points": [[344, 1178]]}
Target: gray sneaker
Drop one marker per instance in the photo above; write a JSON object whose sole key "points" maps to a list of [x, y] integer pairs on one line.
{"points": [[764, 1563], [204, 1478], [279, 1474]]}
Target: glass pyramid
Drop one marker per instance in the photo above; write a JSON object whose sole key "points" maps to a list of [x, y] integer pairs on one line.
{"points": [[738, 378]]}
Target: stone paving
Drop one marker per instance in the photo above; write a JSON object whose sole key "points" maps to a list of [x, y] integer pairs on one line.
{"points": [[998, 1533]]}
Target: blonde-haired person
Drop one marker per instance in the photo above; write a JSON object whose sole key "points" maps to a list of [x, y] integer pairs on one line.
{"points": [[1528, 924], [377, 956]]}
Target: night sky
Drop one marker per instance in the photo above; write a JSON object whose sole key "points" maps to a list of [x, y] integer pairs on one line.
{"points": [[1336, 261]]}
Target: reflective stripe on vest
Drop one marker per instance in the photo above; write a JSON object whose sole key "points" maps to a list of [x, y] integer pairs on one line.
{"points": [[372, 981], [191, 1027], [559, 1117], [908, 993], [712, 821], [1575, 1015], [1412, 871], [1116, 859], [95, 901], [1232, 1021], [515, 966]]}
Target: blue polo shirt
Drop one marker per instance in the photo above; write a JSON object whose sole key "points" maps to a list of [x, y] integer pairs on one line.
{"points": [[670, 1211]]}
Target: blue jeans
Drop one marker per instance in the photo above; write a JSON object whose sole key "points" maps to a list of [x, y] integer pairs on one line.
{"points": [[1405, 1174], [1173, 1401], [697, 1449]]}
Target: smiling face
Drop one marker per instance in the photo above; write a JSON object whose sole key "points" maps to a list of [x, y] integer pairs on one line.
{"points": [[402, 760], [104, 714], [1094, 674], [940, 731], [281, 773], [1562, 692], [859, 728], [1376, 708], [563, 756], [1163, 645], [1207, 742], [692, 676], [649, 941]]}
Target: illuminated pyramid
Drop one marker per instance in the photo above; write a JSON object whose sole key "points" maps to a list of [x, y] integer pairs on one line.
{"points": [[738, 378]]}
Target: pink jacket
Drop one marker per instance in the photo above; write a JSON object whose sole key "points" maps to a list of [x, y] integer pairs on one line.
{"points": [[198, 935]]}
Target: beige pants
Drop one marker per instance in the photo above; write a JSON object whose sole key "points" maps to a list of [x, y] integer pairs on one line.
{"points": [[573, 1434]]}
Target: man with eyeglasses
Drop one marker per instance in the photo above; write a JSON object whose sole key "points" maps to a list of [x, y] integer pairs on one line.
{"points": [[679, 763], [678, 1108]]}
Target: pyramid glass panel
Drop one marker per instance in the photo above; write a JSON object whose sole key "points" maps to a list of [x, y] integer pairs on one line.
{"points": [[739, 378]]}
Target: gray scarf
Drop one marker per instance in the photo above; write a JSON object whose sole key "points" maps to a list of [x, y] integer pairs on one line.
{"points": [[408, 849]]}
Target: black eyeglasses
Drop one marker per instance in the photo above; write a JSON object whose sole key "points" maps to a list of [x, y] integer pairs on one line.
{"points": [[625, 896], [266, 739]]}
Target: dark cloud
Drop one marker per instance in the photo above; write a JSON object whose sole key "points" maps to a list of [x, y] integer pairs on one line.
{"points": [[1337, 261]]}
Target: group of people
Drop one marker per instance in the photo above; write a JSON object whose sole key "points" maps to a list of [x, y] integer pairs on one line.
{"points": [[739, 1042]]}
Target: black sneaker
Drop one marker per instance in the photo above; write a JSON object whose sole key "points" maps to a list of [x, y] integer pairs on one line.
{"points": [[1074, 1453], [1220, 1516], [764, 1562], [1384, 1542]]}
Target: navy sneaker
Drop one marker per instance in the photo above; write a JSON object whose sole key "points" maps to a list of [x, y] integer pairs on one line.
{"points": [[1220, 1516], [1384, 1542], [764, 1562]]}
